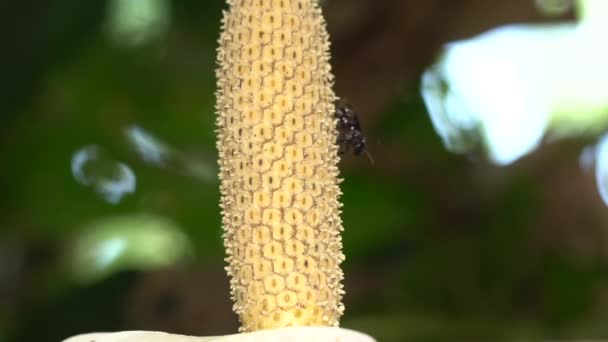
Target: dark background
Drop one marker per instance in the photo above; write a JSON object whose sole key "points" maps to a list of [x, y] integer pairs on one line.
{"points": [[439, 246]]}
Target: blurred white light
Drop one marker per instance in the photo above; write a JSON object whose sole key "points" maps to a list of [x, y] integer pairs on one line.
{"points": [[157, 152], [120, 184], [491, 86], [108, 251], [554, 7], [150, 148], [112, 180], [587, 158], [511, 86], [601, 167], [134, 241], [137, 22]]}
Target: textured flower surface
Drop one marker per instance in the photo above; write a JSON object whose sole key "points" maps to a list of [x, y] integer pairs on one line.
{"points": [[278, 164]]}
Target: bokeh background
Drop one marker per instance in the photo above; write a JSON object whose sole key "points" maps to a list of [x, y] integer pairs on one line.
{"points": [[109, 216]]}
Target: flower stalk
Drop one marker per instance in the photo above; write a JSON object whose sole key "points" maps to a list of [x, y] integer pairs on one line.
{"points": [[278, 165]]}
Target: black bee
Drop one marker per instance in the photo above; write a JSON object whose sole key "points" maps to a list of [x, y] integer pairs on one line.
{"points": [[349, 131]]}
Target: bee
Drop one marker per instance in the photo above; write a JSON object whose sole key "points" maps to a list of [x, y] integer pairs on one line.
{"points": [[349, 131]]}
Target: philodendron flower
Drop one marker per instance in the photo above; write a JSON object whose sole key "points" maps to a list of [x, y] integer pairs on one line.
{"points": [[509, 87], [278, 164]]}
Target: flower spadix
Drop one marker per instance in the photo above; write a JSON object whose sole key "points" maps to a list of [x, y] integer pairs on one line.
{"points": [[278, 164]]}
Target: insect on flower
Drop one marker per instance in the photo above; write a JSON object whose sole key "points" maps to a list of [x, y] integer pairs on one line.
{"points": [[349, 131]]}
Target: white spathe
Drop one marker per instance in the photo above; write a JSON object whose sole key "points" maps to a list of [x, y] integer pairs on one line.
{"points": [[292, 334], [512, 85]]}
